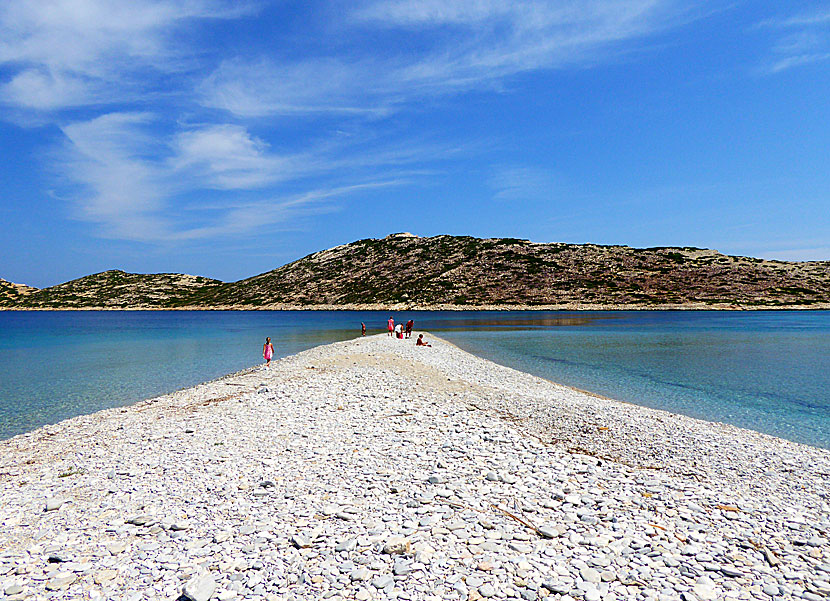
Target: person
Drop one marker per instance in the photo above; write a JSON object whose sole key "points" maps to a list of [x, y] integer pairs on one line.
{"points": [[399, 331], [390, 325], [267, 351], [362, 329], [421, 341], [409, 325]]}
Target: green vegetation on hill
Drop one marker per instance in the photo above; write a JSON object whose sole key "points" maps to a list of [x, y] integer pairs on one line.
{"points": [[402, 269]]}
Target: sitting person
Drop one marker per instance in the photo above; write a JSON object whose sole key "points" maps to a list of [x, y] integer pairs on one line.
{"points": [[421, 341]]}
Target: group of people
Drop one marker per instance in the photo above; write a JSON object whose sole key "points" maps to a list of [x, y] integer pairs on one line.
{"points": [[400, 331]]}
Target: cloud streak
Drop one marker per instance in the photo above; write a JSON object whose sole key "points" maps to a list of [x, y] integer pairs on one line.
{"points": [[68, 53], [459, 46], [800, 40], [141, 186]]}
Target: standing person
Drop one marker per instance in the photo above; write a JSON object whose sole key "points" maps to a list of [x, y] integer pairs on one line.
{"points": [[390, 325], [362, 329], [409, 325], [267, 351]]}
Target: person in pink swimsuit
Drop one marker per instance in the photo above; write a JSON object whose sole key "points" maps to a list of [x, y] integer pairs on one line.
{"points": [[390, 325], [267, 351]]}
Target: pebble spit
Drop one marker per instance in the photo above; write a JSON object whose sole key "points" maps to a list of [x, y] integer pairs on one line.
{"points": [[375, 469]]}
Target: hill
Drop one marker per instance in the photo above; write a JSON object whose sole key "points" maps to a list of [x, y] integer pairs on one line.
{"points": [[403, 270], [12, 293], [116, 289]]}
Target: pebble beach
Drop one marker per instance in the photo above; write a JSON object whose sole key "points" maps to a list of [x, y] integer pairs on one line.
{"points": [[375, 469]]}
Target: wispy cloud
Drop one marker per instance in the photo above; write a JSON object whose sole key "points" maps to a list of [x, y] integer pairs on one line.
{"points": [[800, 39], [450, 48], [67, 53], [523, 183], [140, 185]]}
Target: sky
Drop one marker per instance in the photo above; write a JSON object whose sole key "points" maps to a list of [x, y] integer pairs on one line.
{"points": [[227, 138]]}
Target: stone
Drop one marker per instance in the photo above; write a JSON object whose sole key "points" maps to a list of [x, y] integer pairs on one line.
{"points": [[53, 504], [301, 541], [60, 582], [382, 581], [199, 588], [397, 545], [350, 544], [590, 575], [487, 590], [105, 576]]}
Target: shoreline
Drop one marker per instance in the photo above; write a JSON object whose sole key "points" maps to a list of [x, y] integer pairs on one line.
{"points": [[448, 307], [298, 481]]}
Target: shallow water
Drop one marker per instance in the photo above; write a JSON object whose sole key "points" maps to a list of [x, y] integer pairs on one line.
{"points": [[768, 371]]}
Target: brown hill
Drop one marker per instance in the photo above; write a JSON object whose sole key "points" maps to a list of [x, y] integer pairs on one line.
{"points": [[461, 271], [117, 289], [11, 293]]}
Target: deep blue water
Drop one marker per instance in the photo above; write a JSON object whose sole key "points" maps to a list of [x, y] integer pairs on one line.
{"points": [[768, 371]]}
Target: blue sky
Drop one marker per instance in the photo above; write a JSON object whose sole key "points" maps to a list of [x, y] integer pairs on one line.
{"points": [[228, 138]]}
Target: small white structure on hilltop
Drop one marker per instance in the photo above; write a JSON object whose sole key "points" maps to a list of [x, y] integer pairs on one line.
{"points": [[401, 235]]}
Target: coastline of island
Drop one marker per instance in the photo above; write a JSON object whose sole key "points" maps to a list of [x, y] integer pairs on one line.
{"points": [[372, 468]]}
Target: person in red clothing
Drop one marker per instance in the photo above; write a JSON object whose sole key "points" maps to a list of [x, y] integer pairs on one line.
{"points": [[421, 341], [409, 325], [390, 325]]}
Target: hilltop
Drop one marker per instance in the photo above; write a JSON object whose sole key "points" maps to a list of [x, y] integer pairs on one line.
{"points": [[116, 289], [403, 270], [11, 293]]}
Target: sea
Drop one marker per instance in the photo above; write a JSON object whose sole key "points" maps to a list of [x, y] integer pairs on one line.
{"points": [[764, 370]]}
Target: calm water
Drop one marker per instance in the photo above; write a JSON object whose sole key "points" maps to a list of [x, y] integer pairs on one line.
{"points": [[768, 371]]}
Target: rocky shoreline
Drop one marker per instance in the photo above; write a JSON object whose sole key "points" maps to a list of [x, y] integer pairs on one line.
{"points": [[374, 469], [448, 307]]}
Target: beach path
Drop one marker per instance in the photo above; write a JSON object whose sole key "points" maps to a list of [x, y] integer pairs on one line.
{"points": [[375, 469]]}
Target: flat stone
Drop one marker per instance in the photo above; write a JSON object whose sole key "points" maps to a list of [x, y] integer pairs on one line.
{"points": [[383, 581], [590, 575], [397, 545], [60, 582], [301, 541], [105, 576], [487, 590], [199, 588], [350, 544], [53, 504], [359, 575]]}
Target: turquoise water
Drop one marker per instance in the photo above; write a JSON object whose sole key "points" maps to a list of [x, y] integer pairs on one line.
{"points": [[768, 371]]}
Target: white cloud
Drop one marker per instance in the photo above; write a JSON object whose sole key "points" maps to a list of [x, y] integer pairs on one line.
{"points": [[140, 185], [449, 48], [227, 157], [523, 183], [800, 40], [65, 53]]}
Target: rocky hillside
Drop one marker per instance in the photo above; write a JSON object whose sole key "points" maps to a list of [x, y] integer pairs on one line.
{"points": [[117, 289], [11, 293], [406, 270], [460, 270]]}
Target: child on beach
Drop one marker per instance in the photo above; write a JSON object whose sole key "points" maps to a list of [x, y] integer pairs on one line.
{"points": [[390, 325], [421, 341], [362, 329], [267, 351]]}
